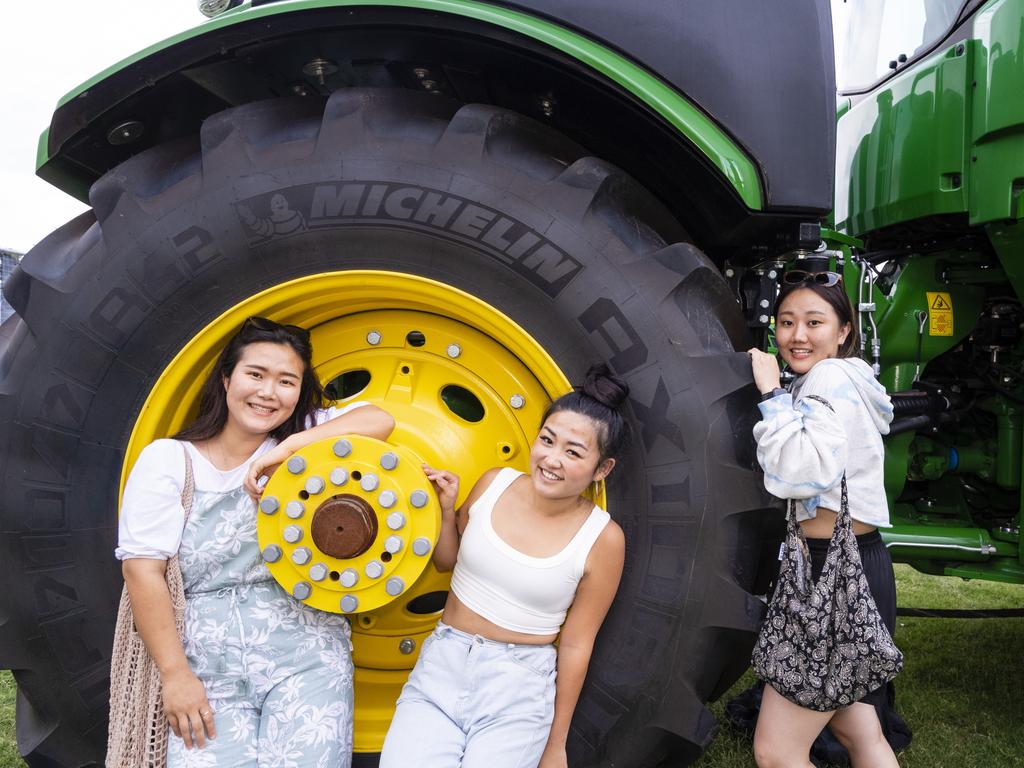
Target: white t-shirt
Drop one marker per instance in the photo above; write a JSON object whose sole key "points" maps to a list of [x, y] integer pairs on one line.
{"points": [[152, 517]]}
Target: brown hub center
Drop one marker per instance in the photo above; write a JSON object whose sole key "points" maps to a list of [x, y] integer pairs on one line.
{"points": [[344, 526]]}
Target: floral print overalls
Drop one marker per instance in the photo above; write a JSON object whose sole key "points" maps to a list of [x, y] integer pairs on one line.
{"points": [[278, 674]]}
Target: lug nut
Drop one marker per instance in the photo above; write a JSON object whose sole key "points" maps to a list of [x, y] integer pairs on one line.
{"points": [[393, 544], [301, 556], [419, 499], [342, 448], [387, 499], [315, 485], [296, 465], [369, 482], [349, 578], [302, 590], [295, 509], [292, 534], [339, 476], [318, 572], [349, 603], [374, 569], [394, 586], [421, 546], [407, 646], [269, 505], [373, 338], [395, 521], [271, 553], [517, 401], [389, 460]]}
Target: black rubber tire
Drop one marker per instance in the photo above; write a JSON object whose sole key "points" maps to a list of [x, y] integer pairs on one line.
{"points": [[181, 232]]}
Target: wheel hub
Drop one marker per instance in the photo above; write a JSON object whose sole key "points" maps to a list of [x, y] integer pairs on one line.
{"points": [[344, 526]]}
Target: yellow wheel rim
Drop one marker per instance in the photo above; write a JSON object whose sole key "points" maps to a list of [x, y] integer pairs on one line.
{"points": [[467, 387]]}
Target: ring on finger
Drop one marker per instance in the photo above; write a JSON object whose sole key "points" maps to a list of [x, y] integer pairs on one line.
{"points": [[206, 713]]}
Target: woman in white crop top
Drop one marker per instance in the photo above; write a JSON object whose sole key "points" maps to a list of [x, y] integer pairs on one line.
{"points": [[489, 688]]}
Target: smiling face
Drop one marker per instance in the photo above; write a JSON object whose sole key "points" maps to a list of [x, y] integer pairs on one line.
{"points": [[262, 390], [565, 457], [807, 330]]}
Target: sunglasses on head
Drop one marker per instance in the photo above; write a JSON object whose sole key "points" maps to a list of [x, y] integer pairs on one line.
{"points": [[798, 276], [263, 324]]}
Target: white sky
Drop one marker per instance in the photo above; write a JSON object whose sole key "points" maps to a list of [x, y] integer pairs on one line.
{"points": [[49, 47]]}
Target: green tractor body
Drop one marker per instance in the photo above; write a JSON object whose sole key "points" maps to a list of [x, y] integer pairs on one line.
{"points": [[537, 186], [930, 175]]}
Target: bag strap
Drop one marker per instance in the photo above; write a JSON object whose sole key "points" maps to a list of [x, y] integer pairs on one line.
{"points": [[189, 487]]}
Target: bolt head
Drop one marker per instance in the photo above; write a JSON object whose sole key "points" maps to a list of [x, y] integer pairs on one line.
{"points": [[394, 586], [342, 448], [393, 544], [269, 505], [373, 338], [396, 520], [763, 303], [454, 350], [301, 556], [349, 603], [292, 534], [318, 572], [369, 482], [302, 590], [387, 499], [271, 553], [374, 569], [315, 485], [349, 578], [517, 401], [339, 476], [295, 509], [407, 646], [296, 465], [421, 546], [763, 319], [389, 461], [730, 272], [418, 499]]}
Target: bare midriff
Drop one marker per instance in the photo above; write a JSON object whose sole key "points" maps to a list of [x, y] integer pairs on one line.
{"points": [[463, 618], [821, 527]]}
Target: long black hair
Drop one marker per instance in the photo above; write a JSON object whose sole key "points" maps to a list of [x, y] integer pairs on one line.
{"points": [[836, 297], [213, 405], [600, 399]]}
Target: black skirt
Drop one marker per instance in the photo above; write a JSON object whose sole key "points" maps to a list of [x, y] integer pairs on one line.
{"points": [[742, 711], [874, 557]]}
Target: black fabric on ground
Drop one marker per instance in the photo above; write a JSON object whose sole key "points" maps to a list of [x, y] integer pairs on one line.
{"points": [[742, 710]]}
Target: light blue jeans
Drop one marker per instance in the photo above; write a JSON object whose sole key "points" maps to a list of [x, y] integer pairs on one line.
{"points": [[475, 703]]}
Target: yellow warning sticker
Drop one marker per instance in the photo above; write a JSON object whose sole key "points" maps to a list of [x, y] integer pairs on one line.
{"points": [[940, 314]]}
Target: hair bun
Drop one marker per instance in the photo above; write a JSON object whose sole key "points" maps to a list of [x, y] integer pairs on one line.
{"points": [[605, 387]]}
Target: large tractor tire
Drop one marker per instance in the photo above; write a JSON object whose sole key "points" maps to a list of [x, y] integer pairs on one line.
{"points": [[384, 185]]}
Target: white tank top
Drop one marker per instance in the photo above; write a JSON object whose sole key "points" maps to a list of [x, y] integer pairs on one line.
{"points": [[519, 592]]}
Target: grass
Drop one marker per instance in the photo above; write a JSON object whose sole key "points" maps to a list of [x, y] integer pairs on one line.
{"points": [[962, 687], [962, 690]]}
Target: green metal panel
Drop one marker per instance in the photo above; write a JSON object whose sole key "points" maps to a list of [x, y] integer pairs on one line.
{"points": [[720, 150], [945, 136], [900, 151], [997, 124]]}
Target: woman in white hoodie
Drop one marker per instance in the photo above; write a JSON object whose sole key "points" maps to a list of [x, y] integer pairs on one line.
{"points": [[804, 448]]}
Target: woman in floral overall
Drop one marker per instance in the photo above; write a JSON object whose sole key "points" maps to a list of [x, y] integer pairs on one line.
{"points": [[262, 679]]}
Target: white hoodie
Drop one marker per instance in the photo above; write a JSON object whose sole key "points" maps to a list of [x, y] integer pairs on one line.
{"points": [[804, 447]]}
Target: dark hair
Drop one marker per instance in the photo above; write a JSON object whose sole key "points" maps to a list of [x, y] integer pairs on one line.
{"points": [[213, 406], [600, 399], [835, 296]]}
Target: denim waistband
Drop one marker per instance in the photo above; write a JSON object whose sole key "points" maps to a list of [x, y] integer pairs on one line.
{"points": [[443, 629]]}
